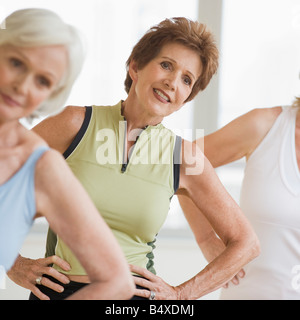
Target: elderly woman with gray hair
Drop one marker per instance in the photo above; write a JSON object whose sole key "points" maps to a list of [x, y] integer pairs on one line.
{"points": [[40, 58]]}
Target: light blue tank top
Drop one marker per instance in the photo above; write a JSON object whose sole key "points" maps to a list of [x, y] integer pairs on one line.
{"points": [[17, 209]]}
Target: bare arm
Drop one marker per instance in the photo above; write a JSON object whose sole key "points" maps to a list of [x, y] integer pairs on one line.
{"points": [[240, 137], [210, 244], [208, 241], [72, 215], [60, 130], [212, 213], [226, 218], [236, 140]]}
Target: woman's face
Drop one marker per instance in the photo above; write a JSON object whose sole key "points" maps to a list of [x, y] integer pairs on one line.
{"points": [[165, 83], [28, 76]]}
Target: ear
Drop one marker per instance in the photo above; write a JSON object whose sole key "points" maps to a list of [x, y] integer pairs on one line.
{"points": [[133, 70]]}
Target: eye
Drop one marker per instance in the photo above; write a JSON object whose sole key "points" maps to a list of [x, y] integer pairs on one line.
{"points": [[166, 65], [44, 82], [16, 63], [187, 80]]}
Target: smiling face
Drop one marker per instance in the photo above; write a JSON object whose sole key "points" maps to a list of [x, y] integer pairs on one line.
{"points": [[28, 76], [164, 84]]}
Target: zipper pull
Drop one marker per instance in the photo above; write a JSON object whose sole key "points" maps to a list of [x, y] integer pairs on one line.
{"points": [[124, 166]]}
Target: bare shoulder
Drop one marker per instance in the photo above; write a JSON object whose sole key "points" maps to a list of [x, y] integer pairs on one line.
{"points": [[74, 114], [70, 118], [266, 116], [60, 130], [192, 159], [240, 137], [52, 178], [50, 167], [259, 122]]}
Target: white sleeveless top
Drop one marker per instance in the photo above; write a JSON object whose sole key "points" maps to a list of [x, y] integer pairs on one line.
{"points": [[270, 198]]}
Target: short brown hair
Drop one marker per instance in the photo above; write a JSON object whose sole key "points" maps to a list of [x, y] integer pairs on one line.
{"points": [[191, 34]]}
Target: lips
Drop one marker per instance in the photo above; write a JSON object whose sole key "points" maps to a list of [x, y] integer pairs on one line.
{"points": [[162, 96], [9, 101]]}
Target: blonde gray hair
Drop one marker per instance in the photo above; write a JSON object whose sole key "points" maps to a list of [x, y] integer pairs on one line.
{"points": [[41, 27]]}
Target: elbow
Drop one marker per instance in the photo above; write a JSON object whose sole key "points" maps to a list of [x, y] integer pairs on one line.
{"points": [[253, 246], [120, 286], [124, 283], [126, 287], [249, 241], [249, 247]]}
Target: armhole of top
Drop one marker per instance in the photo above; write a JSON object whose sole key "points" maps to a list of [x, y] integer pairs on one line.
{"points": [[80, 133], [176, 163]]}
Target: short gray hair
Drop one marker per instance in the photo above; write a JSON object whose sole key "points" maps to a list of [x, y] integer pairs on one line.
{"points": [[41, 27]]}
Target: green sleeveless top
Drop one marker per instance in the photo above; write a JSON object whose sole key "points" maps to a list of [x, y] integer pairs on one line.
{"points": [[133, 196]]}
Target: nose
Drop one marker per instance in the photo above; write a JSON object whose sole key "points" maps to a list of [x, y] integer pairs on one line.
{"points": [[22, 84], [171, 81]]}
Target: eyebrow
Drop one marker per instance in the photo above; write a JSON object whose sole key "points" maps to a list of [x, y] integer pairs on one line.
{"points": [[46, 73], [189, 72]]}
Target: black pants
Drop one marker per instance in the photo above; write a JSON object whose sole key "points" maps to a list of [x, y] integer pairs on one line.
{"points": [[69, 289]]}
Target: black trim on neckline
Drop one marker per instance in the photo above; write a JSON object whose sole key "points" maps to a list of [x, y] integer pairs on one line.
{"points": [[176, 162], [80, 133]]}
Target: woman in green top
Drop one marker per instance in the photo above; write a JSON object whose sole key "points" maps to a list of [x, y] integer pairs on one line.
{"points": [[170, 64]]}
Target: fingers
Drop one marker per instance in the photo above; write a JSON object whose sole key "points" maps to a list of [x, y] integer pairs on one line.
{"points": [[25, 272], [142, 293], [39, 294], [46, 282], [55, 260], [236, 279], [145, 287], [142, 272], [42, 268], [152, 286], [142, 282], [241, 273], [54, 274]]}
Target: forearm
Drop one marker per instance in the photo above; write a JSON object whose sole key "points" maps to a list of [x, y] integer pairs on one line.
{"points": [[219, 271], [105, 290], [76, 221], [211, 247]]}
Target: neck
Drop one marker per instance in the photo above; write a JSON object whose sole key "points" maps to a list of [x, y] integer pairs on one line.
{"points": [[136, 116], [9, 134]]}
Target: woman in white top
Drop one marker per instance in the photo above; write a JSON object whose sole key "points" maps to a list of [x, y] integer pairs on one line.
{"points": [[270, 197], [40, 58]]}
